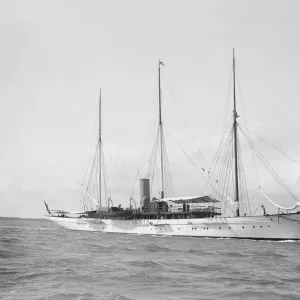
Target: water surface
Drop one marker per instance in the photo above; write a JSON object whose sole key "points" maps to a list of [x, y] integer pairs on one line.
{"points": [[39, 260]]}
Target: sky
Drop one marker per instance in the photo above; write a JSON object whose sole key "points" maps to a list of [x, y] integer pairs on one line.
{"points": [[56, 55]]}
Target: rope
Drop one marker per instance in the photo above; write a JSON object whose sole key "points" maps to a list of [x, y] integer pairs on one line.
{"points": [[279, 206], [271, 170], [294, 160], [188, 129], [201, 173], [247, 127], [91, 174], [120, 176]]}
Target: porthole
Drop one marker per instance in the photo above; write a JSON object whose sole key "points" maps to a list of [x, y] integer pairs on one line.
{"points": [[243, 227], [253, 226], [260, 226]]}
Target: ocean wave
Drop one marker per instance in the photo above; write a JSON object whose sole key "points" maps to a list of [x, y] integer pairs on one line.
{"points": [[116, 296], [52, 263], [6, 254], [233, 254], [155, 248]]}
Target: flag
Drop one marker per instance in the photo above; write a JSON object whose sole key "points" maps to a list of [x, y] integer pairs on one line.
{"points": [[47, 207], [161, 63]]}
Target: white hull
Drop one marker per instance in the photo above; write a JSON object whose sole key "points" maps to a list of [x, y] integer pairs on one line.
{"points": [[277, 227]]}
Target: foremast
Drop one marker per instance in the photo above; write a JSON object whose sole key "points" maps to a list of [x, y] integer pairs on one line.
{"points": [[235, 116], [161, 133]]}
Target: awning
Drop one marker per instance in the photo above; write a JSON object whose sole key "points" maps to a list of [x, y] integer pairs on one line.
{"points": [[77, 212], [57, 211], [196, 199]]}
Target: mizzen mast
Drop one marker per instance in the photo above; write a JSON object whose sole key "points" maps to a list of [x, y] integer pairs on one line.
{"points": [[235, 116], [161, 133]]}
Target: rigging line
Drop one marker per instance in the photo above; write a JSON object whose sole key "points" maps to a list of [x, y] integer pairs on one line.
{"points": [[228, 167], [223, 141], [291, 158], [153, 158], [92, 170], [222, 170], [217, 165], [278, 110], [150, 131], [107, 193], [123, 165], [136, 177], [268, 166], [120, 176], [98, 190], [227, 103], [229, 186], [151, 168], [94, 184], [167, 167], [184, 152], [91, 157], [91, 145], [247, 127], [245, 197], [190, 160], [186, 125], [143, 153], [170, 179]]}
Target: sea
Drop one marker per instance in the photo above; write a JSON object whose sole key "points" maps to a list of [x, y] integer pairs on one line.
{"points": [[40, 260]]}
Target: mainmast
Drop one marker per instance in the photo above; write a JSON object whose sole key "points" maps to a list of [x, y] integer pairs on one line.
{"points": [[100, 152], [161, 133], [235, 116]]}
